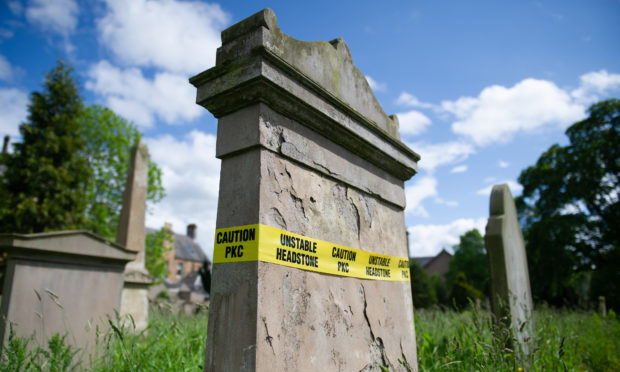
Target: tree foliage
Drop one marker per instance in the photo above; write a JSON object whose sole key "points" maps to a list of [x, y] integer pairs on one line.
{"points": [[109, 138], [422, 291], [570, 209], [45, 181], [155, 248], [70, 169], [470, 258], [462, 292]]}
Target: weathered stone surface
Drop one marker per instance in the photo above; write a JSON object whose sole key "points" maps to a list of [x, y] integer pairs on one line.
{"points": [[511, 296], [602, 306], [305, 148], [259, 63], [61, 282], [134, 301]]}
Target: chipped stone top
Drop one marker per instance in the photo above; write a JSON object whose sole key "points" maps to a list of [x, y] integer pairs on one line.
{"points": [[329, 64], [311, 82], [501, 201]]}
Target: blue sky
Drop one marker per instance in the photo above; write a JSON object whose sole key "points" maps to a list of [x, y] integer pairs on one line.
{"points": [[481, 88]]}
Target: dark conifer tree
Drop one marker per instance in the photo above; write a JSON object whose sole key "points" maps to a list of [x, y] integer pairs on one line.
{"points": [[46, 175]]}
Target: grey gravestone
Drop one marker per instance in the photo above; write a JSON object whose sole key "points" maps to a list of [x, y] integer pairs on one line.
{"points": [[511, 296], [602, 306], [130, 234], [61, 282], [306, 148]]}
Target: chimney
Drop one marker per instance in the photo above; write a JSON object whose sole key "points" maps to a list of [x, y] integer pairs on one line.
{"points": [[5, 146], [168, 227], [191, 230]]}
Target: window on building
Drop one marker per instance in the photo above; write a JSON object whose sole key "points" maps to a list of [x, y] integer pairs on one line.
{"points": [[180, 269]]}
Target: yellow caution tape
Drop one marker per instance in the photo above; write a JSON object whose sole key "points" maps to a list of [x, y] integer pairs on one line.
{"points": [[269, 244]]}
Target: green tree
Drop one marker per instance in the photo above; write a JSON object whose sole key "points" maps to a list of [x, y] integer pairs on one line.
{"points": [[440, 290], [71, 168], [462, 292], [155, 248], [109, 139], [422, 291], [570, 209], [44, 184], [470, 258]]}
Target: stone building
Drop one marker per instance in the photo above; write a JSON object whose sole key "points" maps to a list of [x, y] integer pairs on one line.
{"points": [[439, 264], [186, 256]]}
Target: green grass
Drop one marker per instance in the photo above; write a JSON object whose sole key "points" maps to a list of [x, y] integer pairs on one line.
{"points": [[171, 343], [563, 341], [446, 341]]}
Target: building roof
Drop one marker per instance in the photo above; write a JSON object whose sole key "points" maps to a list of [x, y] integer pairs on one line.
{"points": [[185, 248], [423, 261], [427, 260]]}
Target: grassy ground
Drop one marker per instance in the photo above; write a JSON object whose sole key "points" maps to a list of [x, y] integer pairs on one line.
{"points": [[446, 340], [563, 341]]}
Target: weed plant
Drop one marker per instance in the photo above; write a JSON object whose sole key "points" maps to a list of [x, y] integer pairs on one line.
{"points": [[564, 340], [170, 343]]}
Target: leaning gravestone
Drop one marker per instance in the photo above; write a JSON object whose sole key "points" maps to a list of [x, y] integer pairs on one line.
{"points": [[310, 262], [511, 296], [130, 234]]}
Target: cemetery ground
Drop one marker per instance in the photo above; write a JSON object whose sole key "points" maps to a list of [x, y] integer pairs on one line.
{"points": [[447, 340]]}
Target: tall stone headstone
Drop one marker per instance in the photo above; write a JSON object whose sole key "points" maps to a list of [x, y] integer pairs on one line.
{"points": [[130, 234], [511, 296], [307, 153]]}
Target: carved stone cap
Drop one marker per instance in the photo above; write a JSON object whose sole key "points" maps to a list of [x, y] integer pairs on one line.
{"points": [[137, 276], [308, 81], [501, 201], [77, 243]]}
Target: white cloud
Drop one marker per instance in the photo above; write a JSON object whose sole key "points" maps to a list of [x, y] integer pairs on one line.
{"points": [[428, 240], [14, 105], [168, 96], [421, 188], [515, 188], [498, 113], [16, 7], [503, 164], [173, 35], [459, 169], [412, 122], [191, 180], [406, 99], [375, 85], [6, 71], [594, 84], [60, 16], [438, 154]]}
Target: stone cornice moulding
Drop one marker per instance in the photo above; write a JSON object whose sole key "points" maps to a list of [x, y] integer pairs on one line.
{"points": [[251, 68]]}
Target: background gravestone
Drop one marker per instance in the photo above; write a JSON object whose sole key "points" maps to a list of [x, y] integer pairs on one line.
{"points": [[65, 282], [130, 234], [511, 296], [306, 148]]}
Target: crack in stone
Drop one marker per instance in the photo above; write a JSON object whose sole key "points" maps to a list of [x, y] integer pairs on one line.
{"points": [[372, 334], [357, 214], [268, 338], [277, 217], [325, 169], [376, 341], [404, 361]]}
